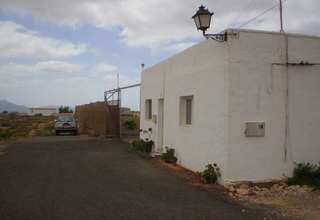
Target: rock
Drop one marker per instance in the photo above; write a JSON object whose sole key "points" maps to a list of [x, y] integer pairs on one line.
{"points": [[231, 194], [33, 133], [243, 192], [244, 186], [308, 188], [231, 189], [257, 188]]}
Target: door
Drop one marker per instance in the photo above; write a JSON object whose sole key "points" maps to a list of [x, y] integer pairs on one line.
{"points": [[160, 125]]}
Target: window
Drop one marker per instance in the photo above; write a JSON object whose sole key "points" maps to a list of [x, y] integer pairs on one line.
{"points": [[186, 108], [148, 109]]}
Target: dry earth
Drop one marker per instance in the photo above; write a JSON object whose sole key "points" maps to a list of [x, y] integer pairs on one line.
{"points": [[2, 148], [301, 202]]}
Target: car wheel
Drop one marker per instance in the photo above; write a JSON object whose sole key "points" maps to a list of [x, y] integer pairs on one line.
{"points": [[75, 133], [57, 133]]}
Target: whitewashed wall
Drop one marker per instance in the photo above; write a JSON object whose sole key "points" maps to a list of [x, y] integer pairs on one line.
{"points": [[151, 88], [304, 101], [257, 92], [45, 112], [201, 72]]}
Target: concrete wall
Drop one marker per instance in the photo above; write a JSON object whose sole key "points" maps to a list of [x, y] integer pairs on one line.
{"points": [[202, 73], [304, 101], [151, 88], [257, 92]]}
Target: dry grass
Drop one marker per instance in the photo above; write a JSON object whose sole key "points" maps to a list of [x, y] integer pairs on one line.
{"points": [[304, 206], [17, 126]]}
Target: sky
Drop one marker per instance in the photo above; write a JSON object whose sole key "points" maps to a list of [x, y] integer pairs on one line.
{"points": [[69, 52]]}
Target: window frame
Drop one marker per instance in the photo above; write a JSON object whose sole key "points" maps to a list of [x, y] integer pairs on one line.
{"points": [[186, 110], [148, 109]]}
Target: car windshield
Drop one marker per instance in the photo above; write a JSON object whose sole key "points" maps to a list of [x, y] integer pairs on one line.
{"points": [[65, 119]]}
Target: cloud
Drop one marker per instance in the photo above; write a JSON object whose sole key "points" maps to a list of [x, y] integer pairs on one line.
{"points": [[159, 24], [105, 68], [52, 67], [18, 41], [61, 83]]}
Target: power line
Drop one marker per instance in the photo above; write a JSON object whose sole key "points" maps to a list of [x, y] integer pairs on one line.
{"points": [[248, 7], [259, 15]]}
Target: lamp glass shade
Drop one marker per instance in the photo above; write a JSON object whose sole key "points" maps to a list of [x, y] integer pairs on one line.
{"points": [[202, 18], [205, 20], [197, 22]]}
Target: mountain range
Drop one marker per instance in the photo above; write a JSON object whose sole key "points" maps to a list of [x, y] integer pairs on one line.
{"points": [[11, 107]]}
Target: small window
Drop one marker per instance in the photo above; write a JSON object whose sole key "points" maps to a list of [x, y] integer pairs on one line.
{"points": [[186, 108], [148, 109]]}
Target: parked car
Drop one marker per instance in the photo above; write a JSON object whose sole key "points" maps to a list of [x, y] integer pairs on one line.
{"points": [[66, 124]]}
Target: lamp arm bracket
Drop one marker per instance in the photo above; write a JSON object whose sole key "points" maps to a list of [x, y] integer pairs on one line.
{"points": [[217, 37]]}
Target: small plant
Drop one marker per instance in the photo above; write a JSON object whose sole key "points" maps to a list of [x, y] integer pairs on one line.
{"points": [[211, 174], [169, 156], [130, 124], [306, 174], [136, 144], [142, 146], [4, 135]]}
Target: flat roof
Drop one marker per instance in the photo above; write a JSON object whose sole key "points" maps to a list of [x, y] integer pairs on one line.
{"points": [[270, 32], [236, 30]]}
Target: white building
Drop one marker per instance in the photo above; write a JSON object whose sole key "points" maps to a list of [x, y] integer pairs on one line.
{"points": [[227, 103], [45, 111]]}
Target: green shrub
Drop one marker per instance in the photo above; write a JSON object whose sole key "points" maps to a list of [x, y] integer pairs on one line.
{"points": [[65, 109], [130, 124], [169, 156], [136, 144], [211, 174], [142, 146], [4, 135], [306, 174]]}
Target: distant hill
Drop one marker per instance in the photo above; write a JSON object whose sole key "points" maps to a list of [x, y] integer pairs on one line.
{"points": [[11, 107]]}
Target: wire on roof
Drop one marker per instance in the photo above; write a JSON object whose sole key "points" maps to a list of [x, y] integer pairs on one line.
{"points": [[248, 7], [259, 15]]}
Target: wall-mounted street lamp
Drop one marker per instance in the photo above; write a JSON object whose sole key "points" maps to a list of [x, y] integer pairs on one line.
{"points": [[202, 19]]}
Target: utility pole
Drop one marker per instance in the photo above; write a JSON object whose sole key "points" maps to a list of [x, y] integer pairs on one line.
{"points": [[118, 80], [281, 18]]}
